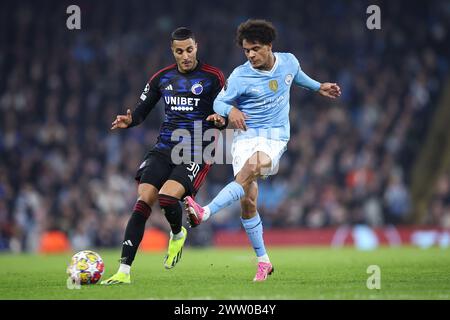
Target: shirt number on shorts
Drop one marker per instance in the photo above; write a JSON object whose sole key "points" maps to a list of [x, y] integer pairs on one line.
{"points": [[194, 168]]}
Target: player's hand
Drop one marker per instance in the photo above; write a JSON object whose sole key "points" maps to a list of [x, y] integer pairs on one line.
{"points": [[122, 121], [330, 90], [237, 119], [219, 121]]}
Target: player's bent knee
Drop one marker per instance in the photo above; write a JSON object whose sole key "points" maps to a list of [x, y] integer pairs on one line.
{"points": [[246, 176], [148, 199], [169, 194], [148, 194], [173, 189]]}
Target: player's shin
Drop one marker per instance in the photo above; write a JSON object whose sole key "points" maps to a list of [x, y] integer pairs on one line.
{"points": [[231, 193], [254, 229], [134, 233], [173, 212]]}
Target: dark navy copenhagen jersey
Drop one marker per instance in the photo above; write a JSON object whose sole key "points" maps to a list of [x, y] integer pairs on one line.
{"points": [[188, 100]]}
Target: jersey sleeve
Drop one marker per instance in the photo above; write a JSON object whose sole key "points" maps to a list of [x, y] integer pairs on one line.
{"points": [[302, 79], [218, 84], [148, 100], [229, 94]]}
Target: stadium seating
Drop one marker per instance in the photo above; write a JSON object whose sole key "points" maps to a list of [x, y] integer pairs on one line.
{"points": [[348, 162]]}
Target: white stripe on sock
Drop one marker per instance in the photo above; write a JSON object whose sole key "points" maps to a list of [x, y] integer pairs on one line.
{"points": [[206, 214]]}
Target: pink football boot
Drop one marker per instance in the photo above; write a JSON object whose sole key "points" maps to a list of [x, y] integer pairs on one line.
{"points": [[264, 270], [194, 210]]}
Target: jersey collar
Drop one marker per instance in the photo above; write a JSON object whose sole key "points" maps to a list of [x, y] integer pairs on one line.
{"points": [[197, 67], [268, 72]]}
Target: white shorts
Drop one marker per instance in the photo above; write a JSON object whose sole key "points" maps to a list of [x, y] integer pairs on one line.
{"points": [[243, 148]]}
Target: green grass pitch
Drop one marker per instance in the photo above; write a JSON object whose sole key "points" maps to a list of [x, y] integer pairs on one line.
{"points": [[300, 273]]}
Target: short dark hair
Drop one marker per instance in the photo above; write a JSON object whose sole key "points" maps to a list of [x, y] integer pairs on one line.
{"points": [[182, 33], [256, 30]]}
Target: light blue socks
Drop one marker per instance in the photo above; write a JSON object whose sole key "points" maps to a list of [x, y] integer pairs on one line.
{"points": [[230, 193], [254, 229]]}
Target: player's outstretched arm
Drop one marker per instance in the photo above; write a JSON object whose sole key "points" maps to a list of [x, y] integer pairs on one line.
{"points": [[330, 90], [122, 121]]}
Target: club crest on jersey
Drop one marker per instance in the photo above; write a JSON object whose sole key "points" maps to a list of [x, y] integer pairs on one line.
{"points": [[273, 85], [288, 79], [197, 89]]}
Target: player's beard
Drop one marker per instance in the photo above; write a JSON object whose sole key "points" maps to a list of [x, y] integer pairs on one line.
{"points": [[188, 65]]}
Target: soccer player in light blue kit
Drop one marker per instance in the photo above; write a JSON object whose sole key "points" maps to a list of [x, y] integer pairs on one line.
{"points": [[256, 102]]}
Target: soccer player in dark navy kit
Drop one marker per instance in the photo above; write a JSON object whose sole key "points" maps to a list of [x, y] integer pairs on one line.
{"points": [[188, 89]]}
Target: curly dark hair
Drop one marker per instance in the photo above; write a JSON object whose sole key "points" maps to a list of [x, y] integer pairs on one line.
{"points": [[256, 30]]}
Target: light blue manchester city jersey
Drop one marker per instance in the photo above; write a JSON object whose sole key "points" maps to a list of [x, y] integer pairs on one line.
{"points": [[264, 95]]}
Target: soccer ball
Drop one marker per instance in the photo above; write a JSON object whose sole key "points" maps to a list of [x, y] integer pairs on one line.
{"points": [[86, 267]]}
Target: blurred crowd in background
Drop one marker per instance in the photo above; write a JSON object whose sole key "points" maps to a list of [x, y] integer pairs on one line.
{"points": [[348, 161]]}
